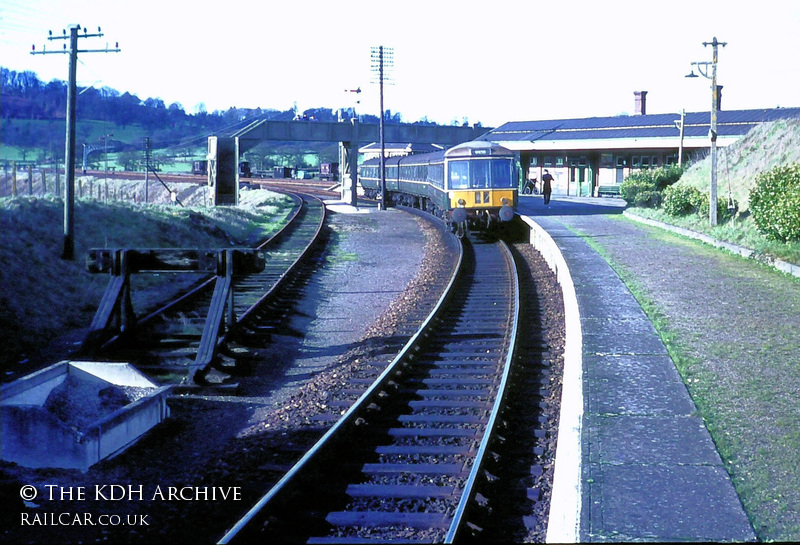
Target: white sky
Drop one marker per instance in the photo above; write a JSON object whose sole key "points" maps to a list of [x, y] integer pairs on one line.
{"points": [[487, 61]]}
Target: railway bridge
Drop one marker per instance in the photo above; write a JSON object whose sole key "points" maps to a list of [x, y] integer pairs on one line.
{"points": [[224, 151]]}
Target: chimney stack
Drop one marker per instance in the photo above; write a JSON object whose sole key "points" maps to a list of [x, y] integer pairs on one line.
{"points": [[641, 102]]}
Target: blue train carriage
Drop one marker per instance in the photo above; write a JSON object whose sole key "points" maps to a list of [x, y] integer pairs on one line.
{"points": [[473, 184]]}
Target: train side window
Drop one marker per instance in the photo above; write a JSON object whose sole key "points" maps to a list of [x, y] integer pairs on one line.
{"points": [[436, 175]]}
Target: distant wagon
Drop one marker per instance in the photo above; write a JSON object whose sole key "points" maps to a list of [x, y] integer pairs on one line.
{"points": [[200, 167], [244, 170], [329, 171], [282, 172]]}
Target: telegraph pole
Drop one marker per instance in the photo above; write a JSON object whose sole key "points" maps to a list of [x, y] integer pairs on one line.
{"points": [[146, 167], [72, 87], [702, 67], [712, 211], [680, 124], [382, 57]]}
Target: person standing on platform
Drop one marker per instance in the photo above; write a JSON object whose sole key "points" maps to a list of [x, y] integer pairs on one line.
{"points": [[547, 186]]}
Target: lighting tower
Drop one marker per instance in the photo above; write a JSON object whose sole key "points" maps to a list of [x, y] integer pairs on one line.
{"points": [[702, 67], [382, 60]]}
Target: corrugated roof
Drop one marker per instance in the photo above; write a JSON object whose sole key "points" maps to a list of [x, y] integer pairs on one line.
{"points": [[729, 123]]}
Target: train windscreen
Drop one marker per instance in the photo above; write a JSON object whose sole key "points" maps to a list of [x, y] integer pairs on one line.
{"points": [[480, 174]]}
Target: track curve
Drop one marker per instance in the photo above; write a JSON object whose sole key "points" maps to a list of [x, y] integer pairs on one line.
{"points": [[403, 461]]}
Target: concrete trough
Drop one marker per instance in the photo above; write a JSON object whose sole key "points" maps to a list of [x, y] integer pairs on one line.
{"points": [[75, 413]]}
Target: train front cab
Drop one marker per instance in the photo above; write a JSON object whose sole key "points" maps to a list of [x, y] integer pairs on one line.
{"points": [[481, 183]]}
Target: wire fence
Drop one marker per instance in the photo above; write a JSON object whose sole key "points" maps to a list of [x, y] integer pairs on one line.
{"points": [[27, 180]]}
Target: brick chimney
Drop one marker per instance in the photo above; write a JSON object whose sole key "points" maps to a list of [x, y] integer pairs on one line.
{"points": [[641, 102]]}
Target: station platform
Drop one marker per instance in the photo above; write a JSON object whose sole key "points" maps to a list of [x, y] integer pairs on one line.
{"points": [[645, 467]]}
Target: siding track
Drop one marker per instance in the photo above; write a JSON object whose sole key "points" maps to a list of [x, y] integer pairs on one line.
{"points": [[183, 339]]}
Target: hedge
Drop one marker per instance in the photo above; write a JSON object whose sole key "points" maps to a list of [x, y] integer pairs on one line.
{"points": [[775, 203], [644, 187]]}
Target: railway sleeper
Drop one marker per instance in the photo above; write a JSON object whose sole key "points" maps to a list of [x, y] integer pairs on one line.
{"points": [[457, 470], [414, 491], [393, 520]]}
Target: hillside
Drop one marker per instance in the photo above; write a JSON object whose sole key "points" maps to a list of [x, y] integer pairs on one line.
{"points": [[766, 146], [43, 297], [34, 113]]}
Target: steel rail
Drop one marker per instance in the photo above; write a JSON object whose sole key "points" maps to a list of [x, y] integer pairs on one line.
{"points": [[459, 518], [295, 264], [292, 224], [351, 414], [209, 282]]}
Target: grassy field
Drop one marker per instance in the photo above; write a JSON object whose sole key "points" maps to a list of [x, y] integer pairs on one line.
{"points": [[43, 296]]}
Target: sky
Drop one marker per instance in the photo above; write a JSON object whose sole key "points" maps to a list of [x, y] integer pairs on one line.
{"points": [[475, 61]]}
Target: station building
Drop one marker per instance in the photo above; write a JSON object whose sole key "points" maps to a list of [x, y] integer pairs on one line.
{"points": [[394, 149], [592, 156]]}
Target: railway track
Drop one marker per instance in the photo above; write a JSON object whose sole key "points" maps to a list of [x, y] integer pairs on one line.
{"points": [[405, 460], [189, 337]]}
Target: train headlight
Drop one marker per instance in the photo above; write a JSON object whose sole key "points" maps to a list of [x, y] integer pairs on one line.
{"points": [[462, 202], [504, 200]]}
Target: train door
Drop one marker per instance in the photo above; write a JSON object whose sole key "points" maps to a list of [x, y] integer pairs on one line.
{"points": [[577, 181], [622, 163], [583, 187]]}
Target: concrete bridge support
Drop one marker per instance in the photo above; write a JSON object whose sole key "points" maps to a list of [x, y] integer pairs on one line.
{"points": [[223, 170], [348, 166]]}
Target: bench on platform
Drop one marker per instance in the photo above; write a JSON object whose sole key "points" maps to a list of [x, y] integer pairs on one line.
{"points": [[608, 191]]}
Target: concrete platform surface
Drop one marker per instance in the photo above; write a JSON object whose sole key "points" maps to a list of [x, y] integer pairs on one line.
{"points": [[649, 469]]}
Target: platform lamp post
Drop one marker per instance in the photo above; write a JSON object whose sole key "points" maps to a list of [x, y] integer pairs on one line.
{"points": [[382, 60], [702, 67]]}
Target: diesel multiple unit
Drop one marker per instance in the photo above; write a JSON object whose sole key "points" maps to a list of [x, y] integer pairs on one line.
{"points": [[472, 184]]}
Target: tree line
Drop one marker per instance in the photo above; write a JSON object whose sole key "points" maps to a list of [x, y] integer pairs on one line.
{"points": [[33, 115]]}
